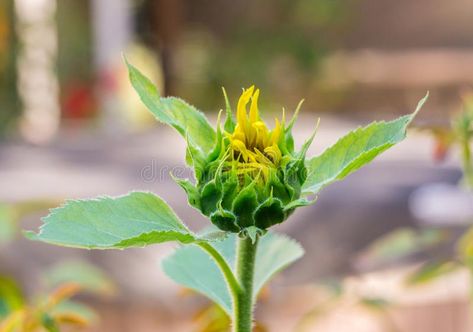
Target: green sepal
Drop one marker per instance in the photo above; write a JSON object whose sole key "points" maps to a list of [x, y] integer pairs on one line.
{"points": [[295, 174], [230, 190], [224, 220], [244, 206], [211, 194], [252, 232], [217, 151], [294, 117], [193, 196], [269, 213], [287, 140], [278, 189], [229, 125], [302, 153]]}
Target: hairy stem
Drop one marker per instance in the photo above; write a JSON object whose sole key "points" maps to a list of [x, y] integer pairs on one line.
{"points": [[245, 266]]}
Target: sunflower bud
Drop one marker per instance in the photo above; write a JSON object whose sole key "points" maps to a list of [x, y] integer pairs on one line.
{"points": [[253, 176]]}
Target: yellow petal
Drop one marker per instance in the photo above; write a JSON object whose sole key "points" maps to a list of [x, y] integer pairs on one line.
{"points": [[242, 117], [253, 147], [262, 159], [261, 134], [274, 153], [238, 134], [254, 113], [240, 147]]}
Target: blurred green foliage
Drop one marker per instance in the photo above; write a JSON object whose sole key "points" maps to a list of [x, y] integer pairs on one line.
{"points": [[75, 45], [9, 108], [404, 243], [432, 270], [275, 44], [462, 126], [90, 277], [11, 296], [52, 306], [8, 223], [335, 295]]}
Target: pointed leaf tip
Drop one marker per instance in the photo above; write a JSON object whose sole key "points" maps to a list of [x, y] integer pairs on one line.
{"points": [[355, 150], [296, 114], [420, 104]]}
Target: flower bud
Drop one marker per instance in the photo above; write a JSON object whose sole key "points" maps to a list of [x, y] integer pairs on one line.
{"points": [[253, 176]]}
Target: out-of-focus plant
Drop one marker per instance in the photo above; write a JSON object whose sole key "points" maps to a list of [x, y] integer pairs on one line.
{"points": [[459, 133], [463, 129], [409, 246], [8, 45], [411, 242], [247, 179], [334, 295], [462, 134], [258, 42], [54, 308], [401, 244]]}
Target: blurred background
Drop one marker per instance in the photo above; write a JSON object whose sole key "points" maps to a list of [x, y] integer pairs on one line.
{"points": [[71, 127]]}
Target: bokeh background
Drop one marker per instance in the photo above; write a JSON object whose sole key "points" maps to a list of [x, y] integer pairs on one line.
{"points": [[71, 127]]}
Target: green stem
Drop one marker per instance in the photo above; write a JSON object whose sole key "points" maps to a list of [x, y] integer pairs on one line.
{"points": [[227, 272], [245, 266]]}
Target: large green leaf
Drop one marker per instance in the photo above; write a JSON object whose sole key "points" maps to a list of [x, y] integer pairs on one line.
{"points": [[134, 220], [355, 150], [275, 252], [192, 267], [175, 112]]}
